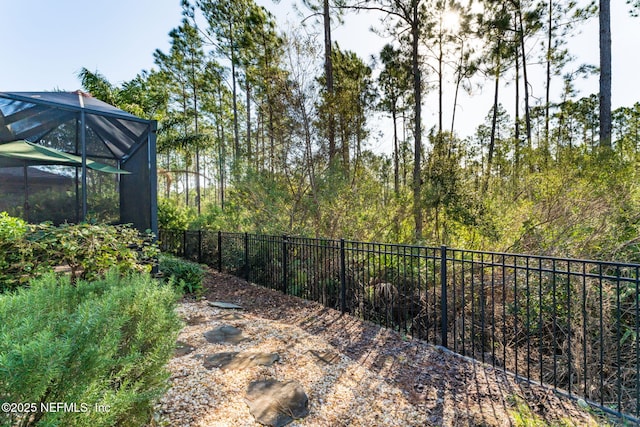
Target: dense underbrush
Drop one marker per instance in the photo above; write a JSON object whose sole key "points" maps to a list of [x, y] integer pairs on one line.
{"points": [[584, 205]]}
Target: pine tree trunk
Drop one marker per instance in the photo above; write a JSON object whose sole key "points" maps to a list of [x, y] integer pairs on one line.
{"points": [[248, 93], [440, 80], [516, 136], [396, 160], [236, 132], [548, 85], [457, 90], [417, 92], [527, 115], [328, 69], [195, 120], [605, 73], [494, 120]]}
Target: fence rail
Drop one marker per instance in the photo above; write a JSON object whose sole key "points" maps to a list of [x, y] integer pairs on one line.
{"points": [[572, 324]]}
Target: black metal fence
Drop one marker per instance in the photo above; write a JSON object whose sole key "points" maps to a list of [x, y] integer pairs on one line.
{"points": [[572, 324]]}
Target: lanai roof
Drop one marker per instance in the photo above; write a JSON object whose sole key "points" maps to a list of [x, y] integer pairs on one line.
{"points": [[33, 116]]}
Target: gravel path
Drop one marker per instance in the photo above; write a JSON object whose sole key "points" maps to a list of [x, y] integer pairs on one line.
{"points": [[354, 373]]}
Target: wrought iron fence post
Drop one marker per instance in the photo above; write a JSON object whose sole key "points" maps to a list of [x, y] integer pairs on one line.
{"points": [[184, 243], [443, 300], [285, 267], [343, 281], [199, 246], [246, 256], [220, 251]]}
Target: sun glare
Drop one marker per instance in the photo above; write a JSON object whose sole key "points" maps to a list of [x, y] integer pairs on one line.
{"points": [[451, 21]]}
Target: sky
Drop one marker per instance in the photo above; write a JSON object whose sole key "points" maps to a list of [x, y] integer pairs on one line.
{"points": [[47, 42]]}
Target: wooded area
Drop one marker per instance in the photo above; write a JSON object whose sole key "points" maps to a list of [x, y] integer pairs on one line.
{"points": [[267, 129]]}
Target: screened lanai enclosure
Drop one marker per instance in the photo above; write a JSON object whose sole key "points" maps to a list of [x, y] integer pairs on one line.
{"points": [[69, 157]]}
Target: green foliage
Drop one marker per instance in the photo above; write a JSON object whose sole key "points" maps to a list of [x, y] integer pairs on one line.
{"points": [[586, 212], [357, 207], [257, 202], [448, 198], [11, 228], [187, 275], [583, 206], [172, 216], [18, 259], [88, 250], [140, 96], [100, 343], [351, 207], [91, 250]]}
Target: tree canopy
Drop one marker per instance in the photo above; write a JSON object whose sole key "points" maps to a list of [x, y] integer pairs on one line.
{"points": [[270, 129]]}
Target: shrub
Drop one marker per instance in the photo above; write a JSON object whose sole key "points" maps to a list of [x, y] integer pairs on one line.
{"points": [[186, 274], [89, 250], [11, 228], [17, 261], [102, 343], [173, 216]]}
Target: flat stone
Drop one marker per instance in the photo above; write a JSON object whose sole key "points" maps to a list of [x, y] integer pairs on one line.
{"points": [[275, 403], [224, 333], [225, 305], [182, 349], [219, 360], [236, 360]]}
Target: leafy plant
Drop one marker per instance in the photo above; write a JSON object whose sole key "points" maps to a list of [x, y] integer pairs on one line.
{"points": [[11, 228], [88, 250], [17, 262], [172, 216], [101, 344], [186, 274]]}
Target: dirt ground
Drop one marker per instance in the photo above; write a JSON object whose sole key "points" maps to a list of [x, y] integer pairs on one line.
{"points": [[443, 388]]}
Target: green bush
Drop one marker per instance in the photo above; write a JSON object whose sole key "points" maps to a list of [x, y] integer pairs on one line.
{"points": [[173, 216], [17, 259], [186, 274], [88, 250], [11, 228], [102, 344]]}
